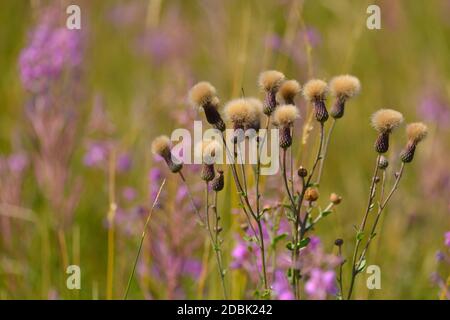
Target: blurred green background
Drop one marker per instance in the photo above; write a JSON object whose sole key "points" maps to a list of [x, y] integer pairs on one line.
{"points": [[140, 59]]}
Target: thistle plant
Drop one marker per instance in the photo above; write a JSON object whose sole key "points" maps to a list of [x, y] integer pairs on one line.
{"points": [[384, 122], [293, 218]]}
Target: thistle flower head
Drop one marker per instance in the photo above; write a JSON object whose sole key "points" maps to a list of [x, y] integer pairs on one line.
{"points": [[161, 145], [416, 132], [287, 91], [242, 112], [386, 120], [284, 116], [345, 86], [202, 93], [255, 114], [270, 80], [315, 90]]}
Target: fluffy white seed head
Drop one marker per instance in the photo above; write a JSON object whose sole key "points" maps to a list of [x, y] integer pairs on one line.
{"points": [[285, 115], [288, 90], [202, 93], [315, 89], [416, 131], [160, 145], [270, 80], [345, 86], [386, 120], [240, 111]]}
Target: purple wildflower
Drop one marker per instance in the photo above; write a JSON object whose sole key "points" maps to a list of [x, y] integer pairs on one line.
{"points": [[96, 155], [447, 239], [52, 48], [320, 284]]}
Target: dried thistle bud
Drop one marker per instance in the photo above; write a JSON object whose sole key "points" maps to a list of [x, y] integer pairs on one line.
{"points": [[210, 150], [314, 92], [302, 172], [339, 242], [311, 194], [269, 82], [288, 91], [161, 146], [283, 118], [217, 183], [377, 179], [383, 163], [415, 132], [343, 88], [203, 95], [335, 199], [207, 173], [384, 121]]}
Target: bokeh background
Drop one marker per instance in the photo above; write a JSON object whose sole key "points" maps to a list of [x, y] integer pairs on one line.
{"points": [[79, 110]]}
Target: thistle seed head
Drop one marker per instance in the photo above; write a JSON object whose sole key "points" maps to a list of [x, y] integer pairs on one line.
{"points": [[345, 86], [338, 242], [243, 113], [416, 132], [161, 146], [202, 93], [270, 80], [311, 194], [284, 116], [315, 90], [254, 121], [288, 91], [386, 120]]}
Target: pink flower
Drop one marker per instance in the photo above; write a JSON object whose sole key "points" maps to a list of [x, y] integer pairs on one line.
{"points": [[320, 284]]}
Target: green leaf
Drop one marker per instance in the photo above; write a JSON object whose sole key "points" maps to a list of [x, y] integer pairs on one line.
{"points": [[290, 246], [360, 235], [278, 238], [325, 213], [304, 242]]}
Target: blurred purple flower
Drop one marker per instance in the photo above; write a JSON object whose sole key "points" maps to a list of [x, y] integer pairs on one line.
{"points": [[320, 284], [433, 108], [193, 268], [447, 239], [17, 162], [52, 48], [124, 162], [281, 287], [129, 193], [96, 155]]}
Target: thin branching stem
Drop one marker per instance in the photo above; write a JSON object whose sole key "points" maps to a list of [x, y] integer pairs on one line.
{"points": [[213, 235], [325, 150], [144, 231], [362, 226], [381, 206]]}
